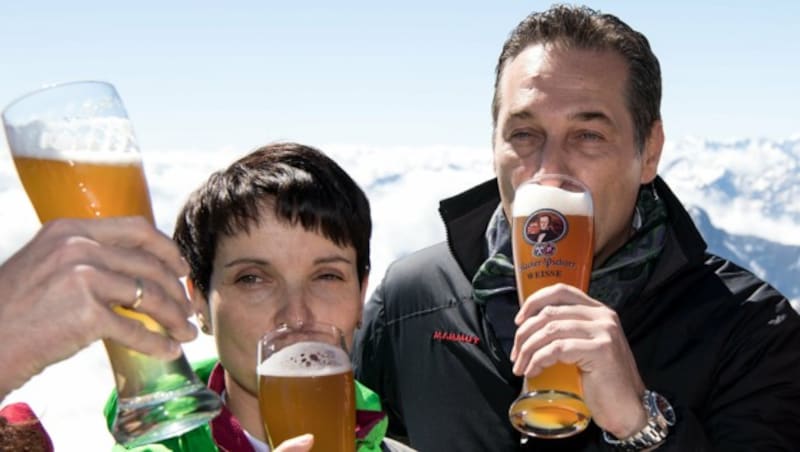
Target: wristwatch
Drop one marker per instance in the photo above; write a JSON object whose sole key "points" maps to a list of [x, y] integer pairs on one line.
{"points": [[660, 417]]}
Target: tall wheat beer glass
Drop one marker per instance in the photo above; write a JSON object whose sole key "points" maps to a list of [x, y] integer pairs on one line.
{"points": [[306, 386], [77, 157], [553, 241]]}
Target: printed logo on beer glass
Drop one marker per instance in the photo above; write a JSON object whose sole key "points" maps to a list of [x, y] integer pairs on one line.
{"points": [[543, 228]]}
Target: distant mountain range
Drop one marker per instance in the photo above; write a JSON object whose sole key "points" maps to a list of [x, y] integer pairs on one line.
{"points": [[744, 196], [777, 263]]}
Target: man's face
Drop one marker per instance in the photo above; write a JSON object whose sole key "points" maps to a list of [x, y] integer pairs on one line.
{"points": [[564, 111], [544, 223]]}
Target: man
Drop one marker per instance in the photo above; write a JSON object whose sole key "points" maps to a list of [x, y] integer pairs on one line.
{"points": [[678, 349], [546, 233]]}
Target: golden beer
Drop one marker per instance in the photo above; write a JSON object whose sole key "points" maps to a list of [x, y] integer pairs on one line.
{"points": [[308, 387], [85, 189], [553, 242], [95, 189], [76, 189], [76, 157]]}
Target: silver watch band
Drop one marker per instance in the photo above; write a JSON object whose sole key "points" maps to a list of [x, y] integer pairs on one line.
{"points": [[660, 417]]}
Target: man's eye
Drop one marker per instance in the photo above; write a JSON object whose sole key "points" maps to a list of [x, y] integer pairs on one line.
{"points": [[590, 136], [521, 136]]}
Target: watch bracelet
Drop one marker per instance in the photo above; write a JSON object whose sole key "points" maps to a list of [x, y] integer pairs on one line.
{"points": [[653, 434], [647, 437]]}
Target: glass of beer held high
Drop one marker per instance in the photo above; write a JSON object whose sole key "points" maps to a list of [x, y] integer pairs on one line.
{"points": [[77, 157], [306, 386], [553, 242]]}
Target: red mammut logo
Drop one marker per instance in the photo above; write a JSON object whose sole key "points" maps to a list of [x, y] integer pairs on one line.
{"points": [[455, 337]]}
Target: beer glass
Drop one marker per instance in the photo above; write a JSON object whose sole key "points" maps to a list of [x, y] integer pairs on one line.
{"points": [[306, 386], [77, 157], [553, 241]]}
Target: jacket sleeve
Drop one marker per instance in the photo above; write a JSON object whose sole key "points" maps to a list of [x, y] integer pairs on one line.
{"points": [[372, 360], [755, 403], [757, 399]]}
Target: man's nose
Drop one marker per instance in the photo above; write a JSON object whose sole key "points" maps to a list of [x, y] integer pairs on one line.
{"points": [[552, 158]]}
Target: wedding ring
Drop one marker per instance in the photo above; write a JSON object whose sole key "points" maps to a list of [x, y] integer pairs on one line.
{"points": [[139, 296]]}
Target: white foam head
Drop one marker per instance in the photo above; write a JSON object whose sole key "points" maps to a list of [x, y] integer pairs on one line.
{"points": [[532, 197], [90, 140], [306, 359]]}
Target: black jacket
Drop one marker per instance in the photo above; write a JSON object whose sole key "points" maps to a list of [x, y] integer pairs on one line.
{"points": [[720, 344]]}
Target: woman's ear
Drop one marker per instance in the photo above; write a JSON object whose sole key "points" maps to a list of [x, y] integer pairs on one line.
{"points": [[363, 297], [364, 284], [199, 306]]}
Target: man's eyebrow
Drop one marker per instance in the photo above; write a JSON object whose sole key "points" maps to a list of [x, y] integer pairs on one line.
{"points": [[591, 116], [520, 115]]}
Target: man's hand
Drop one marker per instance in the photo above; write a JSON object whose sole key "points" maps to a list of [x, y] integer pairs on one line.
{"points": [[561, 323], [60, 289]]}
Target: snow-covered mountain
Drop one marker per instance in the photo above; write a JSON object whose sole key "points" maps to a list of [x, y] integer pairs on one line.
{"points": [[775, 262], [748, 187], [744, 195]]}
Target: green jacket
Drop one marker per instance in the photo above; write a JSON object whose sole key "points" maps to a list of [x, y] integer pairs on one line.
{"points": [[201, 440]]}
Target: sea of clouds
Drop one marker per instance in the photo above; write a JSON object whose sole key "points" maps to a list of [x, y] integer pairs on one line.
{"points": [[404, 186]]}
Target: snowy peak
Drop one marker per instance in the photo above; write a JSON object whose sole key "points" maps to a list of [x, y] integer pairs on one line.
{"points": [[749, 187]]}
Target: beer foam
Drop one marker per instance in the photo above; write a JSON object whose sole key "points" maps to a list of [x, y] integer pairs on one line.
{"points": [[532, 197], [305, 359], [89, 140]]}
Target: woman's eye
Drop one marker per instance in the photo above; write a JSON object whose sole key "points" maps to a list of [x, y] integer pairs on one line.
{"points": [[248, 279], [330, 277]]}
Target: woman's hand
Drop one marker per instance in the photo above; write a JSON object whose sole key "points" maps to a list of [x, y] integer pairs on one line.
{"points": [[302, 443]]}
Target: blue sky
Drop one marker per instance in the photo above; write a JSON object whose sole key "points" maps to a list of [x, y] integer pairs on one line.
{"points": [[219, 75]]}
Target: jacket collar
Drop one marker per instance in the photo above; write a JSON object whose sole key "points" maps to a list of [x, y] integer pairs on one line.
{"points": [[466, 217]]}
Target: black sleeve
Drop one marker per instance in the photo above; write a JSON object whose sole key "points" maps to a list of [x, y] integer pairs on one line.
{"points": [[755, 404], [372, 359]]}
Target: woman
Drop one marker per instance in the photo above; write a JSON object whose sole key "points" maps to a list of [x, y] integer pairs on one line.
{"points": [[280, 236]]}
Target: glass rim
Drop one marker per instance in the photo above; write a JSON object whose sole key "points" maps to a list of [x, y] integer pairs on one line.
{"points": [[50, 87], [538, 177], [283, 328]]}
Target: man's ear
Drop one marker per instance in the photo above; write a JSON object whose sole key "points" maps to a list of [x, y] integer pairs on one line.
{"points": [[651, 154], [199, 306]]}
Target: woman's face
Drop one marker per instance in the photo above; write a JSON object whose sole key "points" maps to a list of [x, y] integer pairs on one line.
{"points": [[277, 273]]}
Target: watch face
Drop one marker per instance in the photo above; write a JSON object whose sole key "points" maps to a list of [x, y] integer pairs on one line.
{"points": [[665, 408]]}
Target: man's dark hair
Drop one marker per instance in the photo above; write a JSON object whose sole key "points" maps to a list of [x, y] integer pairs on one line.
{"points": [[301, 184], [583, 28]]}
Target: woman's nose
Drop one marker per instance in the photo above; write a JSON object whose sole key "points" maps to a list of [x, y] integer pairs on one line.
{"points": [[296, 311]]}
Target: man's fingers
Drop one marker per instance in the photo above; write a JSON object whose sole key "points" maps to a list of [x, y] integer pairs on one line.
{"points": [[540, 323], [528, 343], [557, 294], [570, 351], [146, 266], [128, 232], [134, 335], [115, 289]]}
